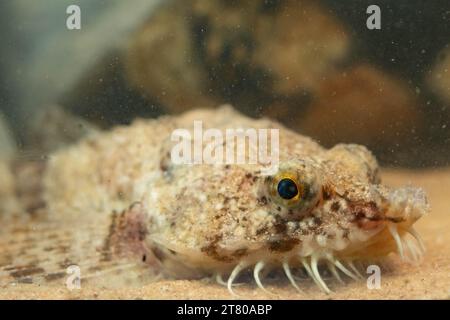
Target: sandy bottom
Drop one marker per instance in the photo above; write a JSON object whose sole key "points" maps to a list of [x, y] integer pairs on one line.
{"points": [[430, 279]]}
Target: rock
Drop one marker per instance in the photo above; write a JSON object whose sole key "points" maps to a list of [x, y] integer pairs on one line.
{"points": [[439, 78], [362, 105], [250, 54], [162, 62]]}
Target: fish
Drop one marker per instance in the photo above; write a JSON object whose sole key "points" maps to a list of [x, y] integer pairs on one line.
{"points": [[117, 206]]}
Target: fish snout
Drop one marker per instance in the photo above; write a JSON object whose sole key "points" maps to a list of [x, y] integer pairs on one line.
{"points": [[406, 205]]}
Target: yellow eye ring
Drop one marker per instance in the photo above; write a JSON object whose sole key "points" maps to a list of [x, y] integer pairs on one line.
{"points": [[288, 189]]}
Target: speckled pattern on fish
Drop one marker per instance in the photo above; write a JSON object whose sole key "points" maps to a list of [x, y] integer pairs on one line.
{"points": [[116, 202]]}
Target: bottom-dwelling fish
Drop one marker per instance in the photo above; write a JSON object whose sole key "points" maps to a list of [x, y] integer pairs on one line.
{"points": [[116, 203]]}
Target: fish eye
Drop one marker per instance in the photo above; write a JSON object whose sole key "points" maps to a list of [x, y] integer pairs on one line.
{"points": [[287, 189], [296, 187]]}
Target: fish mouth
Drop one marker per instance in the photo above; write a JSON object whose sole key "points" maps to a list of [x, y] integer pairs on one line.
{"points": [[406, 206], [394, 226]]}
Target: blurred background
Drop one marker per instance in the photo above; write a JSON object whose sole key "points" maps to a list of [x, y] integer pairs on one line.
{"points": [[312, 65]]}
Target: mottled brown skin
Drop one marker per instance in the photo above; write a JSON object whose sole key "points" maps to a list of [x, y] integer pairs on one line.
{"points": [[194, 220], [347, 210]]}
